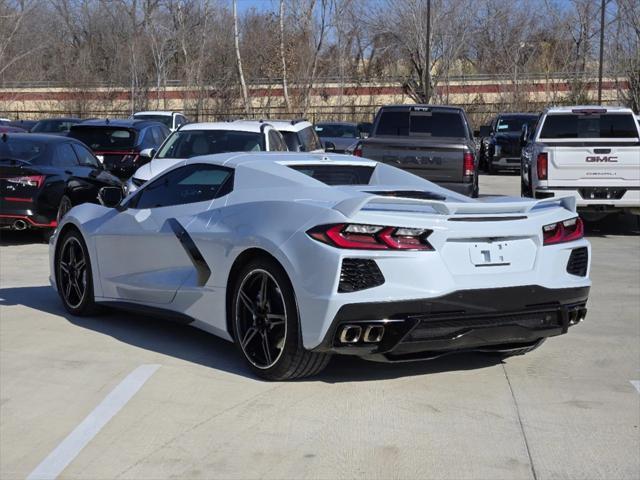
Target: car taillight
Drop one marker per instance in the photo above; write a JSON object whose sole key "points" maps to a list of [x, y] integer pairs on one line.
{"points": [[468, 164], [561, 232], [543, 166], [371, 237], [28, 180], [357, 152]]}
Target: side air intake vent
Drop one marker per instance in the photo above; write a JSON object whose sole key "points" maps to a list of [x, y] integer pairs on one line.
{"points": [[359, 274], [578, 261]]}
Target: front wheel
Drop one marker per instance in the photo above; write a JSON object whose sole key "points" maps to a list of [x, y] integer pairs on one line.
{"points": [[266, 327], [73, 275]]}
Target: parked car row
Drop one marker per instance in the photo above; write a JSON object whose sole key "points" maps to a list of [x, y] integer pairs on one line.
{"points": [[591, 153]]}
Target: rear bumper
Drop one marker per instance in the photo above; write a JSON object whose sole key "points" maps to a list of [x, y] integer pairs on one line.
{"points": [[482, 319], [620, 197], [10, 212]]}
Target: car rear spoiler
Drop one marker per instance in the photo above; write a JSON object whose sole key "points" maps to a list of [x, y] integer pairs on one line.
{"points": [[498, 205]]}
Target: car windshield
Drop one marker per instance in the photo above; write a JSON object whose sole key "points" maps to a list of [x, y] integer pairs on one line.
{"points": [[335, 130], [105, 138], [589, 126], [53, 126], [192, 143], [514, 124], [26, 149], [426, 122], [166, 119], [337, 174]]}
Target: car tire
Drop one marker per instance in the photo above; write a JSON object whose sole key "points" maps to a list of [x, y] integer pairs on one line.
{"points": [[266, 327], [74, 279], [65, 205]]}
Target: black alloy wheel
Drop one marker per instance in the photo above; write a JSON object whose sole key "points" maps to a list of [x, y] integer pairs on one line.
{"points": [[73, 275], [261, 316], [265, 323]]}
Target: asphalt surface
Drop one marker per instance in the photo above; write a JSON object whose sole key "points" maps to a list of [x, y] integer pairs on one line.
{"points": [[70, 403]]}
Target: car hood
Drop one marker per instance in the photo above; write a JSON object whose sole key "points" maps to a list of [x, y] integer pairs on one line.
{"points": [[154, 167]]}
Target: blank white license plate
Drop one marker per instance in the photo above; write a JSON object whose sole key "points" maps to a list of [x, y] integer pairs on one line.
{"points": [[487, 254]]}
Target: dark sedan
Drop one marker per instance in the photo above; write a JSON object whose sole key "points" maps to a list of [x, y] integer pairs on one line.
{"points": [[43, 176], [122, 146]]}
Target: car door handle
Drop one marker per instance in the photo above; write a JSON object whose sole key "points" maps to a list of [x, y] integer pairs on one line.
{"points": [[68, 172]]}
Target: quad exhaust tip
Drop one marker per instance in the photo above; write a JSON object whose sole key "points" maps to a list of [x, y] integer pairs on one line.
{"points": [[351, 334], [373, 333]]}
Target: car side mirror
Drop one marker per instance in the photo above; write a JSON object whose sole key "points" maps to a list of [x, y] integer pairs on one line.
{"points": [[486, 131], [110, 196], [329, 147], [148, 152]]}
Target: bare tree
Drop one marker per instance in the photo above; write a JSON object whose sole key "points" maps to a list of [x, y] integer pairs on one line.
{"points": [[236, 38], [285, 87]]}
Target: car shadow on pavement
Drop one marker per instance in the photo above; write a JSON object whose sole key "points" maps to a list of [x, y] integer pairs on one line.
{"points": [[621, 224], [199, 347], [11, 237]]}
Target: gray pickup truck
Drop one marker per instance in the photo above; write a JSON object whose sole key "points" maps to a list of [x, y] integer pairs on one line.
{"points": [[432, 141]]}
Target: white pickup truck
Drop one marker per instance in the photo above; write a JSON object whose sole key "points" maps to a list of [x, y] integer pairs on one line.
{"points": [[590, 152]]}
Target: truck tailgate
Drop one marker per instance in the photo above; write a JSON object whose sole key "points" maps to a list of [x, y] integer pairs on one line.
{"points": [[438, 161], [610, 165]]}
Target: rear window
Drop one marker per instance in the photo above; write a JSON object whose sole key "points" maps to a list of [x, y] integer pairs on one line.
{"points": [[337, 174], [421, 123], [105, 138], [34, 152], [166, 119], [192, 143], [589, 126]]}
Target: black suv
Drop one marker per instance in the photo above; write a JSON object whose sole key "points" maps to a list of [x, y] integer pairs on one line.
{"points": [[122, 146], [500, 143]]}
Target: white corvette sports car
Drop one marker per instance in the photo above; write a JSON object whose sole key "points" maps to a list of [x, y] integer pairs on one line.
{"points": [[297, 256]]}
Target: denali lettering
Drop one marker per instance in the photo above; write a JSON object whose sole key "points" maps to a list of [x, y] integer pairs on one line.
{"points": [[599, 159]]}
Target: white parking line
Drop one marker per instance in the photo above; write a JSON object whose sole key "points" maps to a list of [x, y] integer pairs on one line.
{"points": [[71, 446], [636, 383]]}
